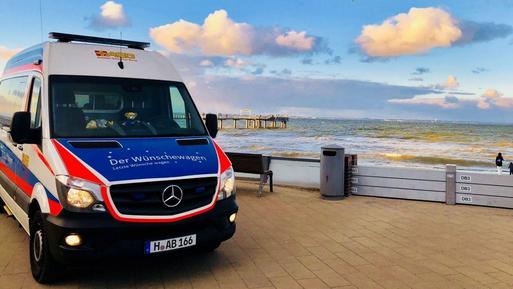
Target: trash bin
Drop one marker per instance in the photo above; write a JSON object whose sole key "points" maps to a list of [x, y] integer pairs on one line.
{"points": [[332, 172]]}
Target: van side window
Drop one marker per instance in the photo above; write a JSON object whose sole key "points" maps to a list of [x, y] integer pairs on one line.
{"points": [[35, 104], [12, 97], [178, 106]]}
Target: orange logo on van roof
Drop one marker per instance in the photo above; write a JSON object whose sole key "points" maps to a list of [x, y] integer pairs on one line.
{"points": [[115, 55]]}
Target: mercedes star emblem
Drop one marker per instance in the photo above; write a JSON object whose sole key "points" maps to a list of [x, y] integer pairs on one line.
{"points": [[172, 196]]}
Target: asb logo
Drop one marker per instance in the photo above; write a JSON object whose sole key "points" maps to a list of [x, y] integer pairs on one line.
{"points": [[172, 196], [115, 55]]}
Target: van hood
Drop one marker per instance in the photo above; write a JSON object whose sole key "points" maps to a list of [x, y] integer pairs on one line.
{"points": [[148, 158]]}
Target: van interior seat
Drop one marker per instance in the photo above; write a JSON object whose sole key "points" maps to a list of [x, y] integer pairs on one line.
{"points": [[69, 117]]}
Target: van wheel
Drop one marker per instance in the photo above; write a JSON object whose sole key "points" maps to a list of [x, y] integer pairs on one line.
{"points": [[42, 264]]}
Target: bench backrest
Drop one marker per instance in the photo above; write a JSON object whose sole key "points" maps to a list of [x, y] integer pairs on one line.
{"points": [[249, 163]]}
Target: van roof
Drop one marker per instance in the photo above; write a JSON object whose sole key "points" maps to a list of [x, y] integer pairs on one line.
{"points": [[76, 55]]}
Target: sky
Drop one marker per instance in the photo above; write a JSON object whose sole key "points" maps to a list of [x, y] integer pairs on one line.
{"points": [[443, 60]]}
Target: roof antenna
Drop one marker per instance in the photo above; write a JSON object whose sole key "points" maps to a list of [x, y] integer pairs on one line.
{"points": [[41, 18], [120, 63]]}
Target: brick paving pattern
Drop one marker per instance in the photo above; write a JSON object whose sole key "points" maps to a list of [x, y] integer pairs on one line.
{"points": [[293, 239]]}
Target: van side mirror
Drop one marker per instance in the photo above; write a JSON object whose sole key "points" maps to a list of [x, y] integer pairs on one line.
{"points": [[211, 122], [21, 132]]}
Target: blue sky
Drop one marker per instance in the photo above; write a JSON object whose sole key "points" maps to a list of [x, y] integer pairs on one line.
{"points": [[447, 60]]}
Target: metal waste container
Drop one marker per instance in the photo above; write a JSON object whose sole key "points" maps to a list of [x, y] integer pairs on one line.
{"points": [[332, 172]]}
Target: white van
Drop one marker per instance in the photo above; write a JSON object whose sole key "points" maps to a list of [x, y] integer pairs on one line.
{"points": [[103, 153]]}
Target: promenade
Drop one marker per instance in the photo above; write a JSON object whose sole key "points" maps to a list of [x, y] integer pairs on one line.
{"points": [[293, 239]]}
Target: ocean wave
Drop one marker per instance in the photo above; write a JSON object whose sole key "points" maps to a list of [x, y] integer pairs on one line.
{"points": [[295, 154], [433, 160]]}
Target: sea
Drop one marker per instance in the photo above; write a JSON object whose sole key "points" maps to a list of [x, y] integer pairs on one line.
{"points": [[427, 144]]}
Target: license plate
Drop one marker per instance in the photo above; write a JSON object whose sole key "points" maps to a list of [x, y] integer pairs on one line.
{"points": [[151, 247]]}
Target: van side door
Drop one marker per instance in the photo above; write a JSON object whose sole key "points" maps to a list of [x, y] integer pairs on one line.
{"points": [[27, 153], [13, 92]]}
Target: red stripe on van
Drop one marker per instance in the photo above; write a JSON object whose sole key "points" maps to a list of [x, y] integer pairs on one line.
{"points": [[25, 67], [22, 184], [224, 161], [55, 207], [74, 165], [42, 157]]}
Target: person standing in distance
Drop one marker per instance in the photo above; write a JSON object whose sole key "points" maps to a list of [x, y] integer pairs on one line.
{"points": [[498, 162]]}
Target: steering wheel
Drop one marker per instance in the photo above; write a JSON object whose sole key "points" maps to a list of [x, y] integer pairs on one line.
{"points": [[162, 122], [135, 124]]}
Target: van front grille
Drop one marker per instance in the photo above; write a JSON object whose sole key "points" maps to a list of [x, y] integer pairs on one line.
{"points": [[145, 199]]}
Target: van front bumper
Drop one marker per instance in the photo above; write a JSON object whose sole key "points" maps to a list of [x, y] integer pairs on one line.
{"points": [[103, 236]]}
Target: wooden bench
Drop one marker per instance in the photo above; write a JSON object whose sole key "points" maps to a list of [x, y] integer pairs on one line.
{"points": [[253, 164]]}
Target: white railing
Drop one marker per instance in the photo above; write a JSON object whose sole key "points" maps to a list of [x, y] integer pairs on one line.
{"points": [[437, 185]]}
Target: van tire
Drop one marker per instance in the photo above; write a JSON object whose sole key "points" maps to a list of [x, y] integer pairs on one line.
{"points": [[44, 267], [2, 204]]}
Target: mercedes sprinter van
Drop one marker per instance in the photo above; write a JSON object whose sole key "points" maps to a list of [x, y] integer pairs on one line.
{"points": [[103, 153]]}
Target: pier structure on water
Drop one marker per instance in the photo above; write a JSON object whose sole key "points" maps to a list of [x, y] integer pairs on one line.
{"points": [[252, 121]]}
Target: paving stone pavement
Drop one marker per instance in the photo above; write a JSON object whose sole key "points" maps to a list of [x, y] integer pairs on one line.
{"points": [[293, 239]]}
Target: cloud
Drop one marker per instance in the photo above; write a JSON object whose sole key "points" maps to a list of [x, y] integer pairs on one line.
{"points": [[6, 53], [112, 15], [281, 73], [206, 63], [422, 29], [481, 32], [491, 98], [417, 31], [479, 70], [258, 71], [451, 83], [445, 102], [416, 79], [228, 94], [235, 63], [421, 70], [296, 41], [307, 61], [220, 35], [334, 60]]}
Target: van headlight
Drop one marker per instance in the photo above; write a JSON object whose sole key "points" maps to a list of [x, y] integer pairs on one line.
{"points": [[227, 184], [78, 194], [79, 198]]}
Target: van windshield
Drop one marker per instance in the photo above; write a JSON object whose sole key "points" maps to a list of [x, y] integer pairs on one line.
{"points": [[84, 106]]}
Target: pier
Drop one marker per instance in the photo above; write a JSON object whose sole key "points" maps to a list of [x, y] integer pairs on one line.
{"points": [[252, 121]]}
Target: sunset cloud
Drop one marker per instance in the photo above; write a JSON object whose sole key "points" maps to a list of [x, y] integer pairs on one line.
{"points": [[489, 100], [206, 63], [422, 29], [235, 63], [112, 15], [418, 31], [6, 53], [296, 40], [492, 98], [451, 83], [446, 102], [220, 35]]}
